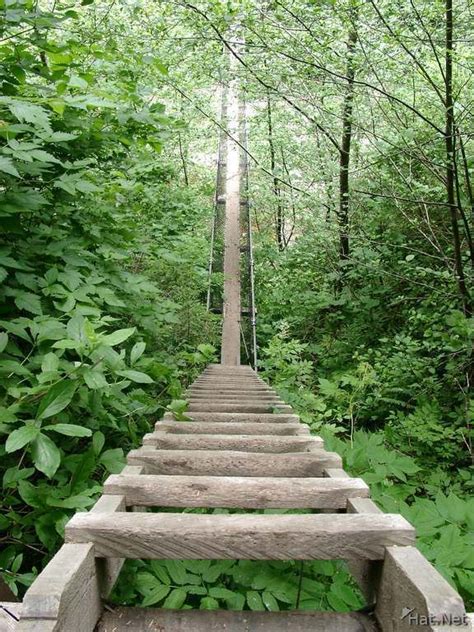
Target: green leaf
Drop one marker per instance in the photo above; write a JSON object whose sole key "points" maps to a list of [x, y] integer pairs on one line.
{"points": [[56, 399], [30, 494], [66, 344], [30, 113], [155, 595], [254, 601], [221, 593], [7, 166], [46, 455], [70, 430], [94, 379], [113, 460], [136, 376], [50, 362], [160, 572], [20, 437], [29, 302], [3, 341], [4, 523], [136, 352], [177, 571], [270, 602], [98, 440], [175, 599], [209, 603], [14, 474], [117, 337]]}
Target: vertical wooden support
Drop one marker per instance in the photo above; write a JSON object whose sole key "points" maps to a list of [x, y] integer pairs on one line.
{"points": [[66, 595], [230, 353], [413, 596]]}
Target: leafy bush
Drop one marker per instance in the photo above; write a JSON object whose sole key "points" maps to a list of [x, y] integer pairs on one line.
{"points": [[238, 585]]}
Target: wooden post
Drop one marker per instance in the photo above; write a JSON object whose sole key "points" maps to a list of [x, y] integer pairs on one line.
{"points": [[230, 353]]}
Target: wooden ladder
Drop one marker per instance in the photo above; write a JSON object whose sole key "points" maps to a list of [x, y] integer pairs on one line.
{"points": [[244, 448]]}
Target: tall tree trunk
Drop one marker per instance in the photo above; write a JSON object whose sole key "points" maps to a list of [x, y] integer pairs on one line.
{"points": [[183, 160], [276, 187], [450, 164], [345, 148]]}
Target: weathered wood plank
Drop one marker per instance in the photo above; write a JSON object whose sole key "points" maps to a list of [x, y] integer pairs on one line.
{"points": [[109, 569], [151, 619], [251, 388], [366, 574], [239, 417], [247, 407], [235, 491], [235, 398], [246, 443], [229, 379], [66, 592], [413, 595], [232, 463], [209, 427], [240, 536], [10, 612]]}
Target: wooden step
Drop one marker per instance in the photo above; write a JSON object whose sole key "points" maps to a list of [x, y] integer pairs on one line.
{"points": [[238, 417], [164, 620], [240, 536], [234, 397], [215, 428], [227, 380], [228, 367], [202, 390], [245, 443], [236, 492], [232, 463], [248, 407]]}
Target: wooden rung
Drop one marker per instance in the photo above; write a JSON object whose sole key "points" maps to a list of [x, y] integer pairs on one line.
{"points": [[215, 428], [239, 417], [225, 379], [242, 407], [246, 443], [230, 389], [235, 491], [233, 398], [240, 536], [231, 463], [149, 619]]}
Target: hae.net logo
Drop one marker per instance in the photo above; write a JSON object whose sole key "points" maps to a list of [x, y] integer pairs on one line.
{"points": [[412, 617]]}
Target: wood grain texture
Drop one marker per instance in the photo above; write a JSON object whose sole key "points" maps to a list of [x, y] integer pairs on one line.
{"points": [[10, 612], [209, 427], [245, 443], [240, 536], [409, 582], [244, 407], [239, 417], [66, 592], [109, 569], [153, 619], [232, 463], [233, 398], [235, 491], [366, 574], [251, 389]]}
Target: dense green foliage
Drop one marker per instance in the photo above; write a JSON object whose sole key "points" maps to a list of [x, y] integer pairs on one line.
{"points": [[107, 161]]}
